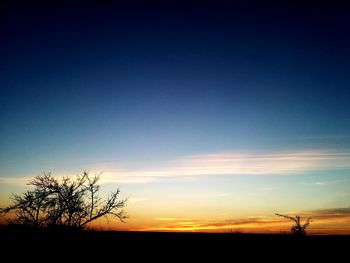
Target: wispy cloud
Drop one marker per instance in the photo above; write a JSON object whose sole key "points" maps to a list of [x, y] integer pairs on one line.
{"points": [[226, 163], [324, 221], [262, 163], [327, 213], [259, 224], [172, 219], [332, 212], [320, 183], [327, 183], [16, 180], [232, 163]]}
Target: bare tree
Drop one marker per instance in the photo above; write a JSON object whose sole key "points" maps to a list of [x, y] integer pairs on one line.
{"points": [[67, 202], [297, 229]]}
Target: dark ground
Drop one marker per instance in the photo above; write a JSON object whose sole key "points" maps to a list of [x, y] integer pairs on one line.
{"points": [[169, 247]]}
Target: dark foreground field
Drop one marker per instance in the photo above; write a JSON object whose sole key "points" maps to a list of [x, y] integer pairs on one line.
{"points": [[166, 247]]}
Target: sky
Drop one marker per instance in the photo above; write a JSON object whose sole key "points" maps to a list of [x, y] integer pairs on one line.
{"points": [[208, 115]]}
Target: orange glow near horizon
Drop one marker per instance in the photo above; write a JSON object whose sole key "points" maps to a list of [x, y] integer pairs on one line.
{"points": [[199, 194], [319, 226], [261, 225]]}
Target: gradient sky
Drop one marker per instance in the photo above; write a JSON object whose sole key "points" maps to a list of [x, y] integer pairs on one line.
{"points": [[208, 115]]}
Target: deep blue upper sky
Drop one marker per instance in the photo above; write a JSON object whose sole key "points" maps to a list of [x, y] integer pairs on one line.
{"points": [[140, 82]]}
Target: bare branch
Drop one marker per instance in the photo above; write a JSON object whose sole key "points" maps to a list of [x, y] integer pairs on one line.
{"points": [[297, 228], [67, 202], [286, 216]]}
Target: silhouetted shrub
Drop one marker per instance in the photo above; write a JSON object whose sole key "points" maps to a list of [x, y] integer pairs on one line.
{"points": [[297, 229]]}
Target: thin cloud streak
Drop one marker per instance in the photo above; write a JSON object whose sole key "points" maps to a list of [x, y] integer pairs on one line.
{"points": [[202, 225], [324, 221], [16, 180], [226, 163], [324, 214], [230, 163], [332, 213]]}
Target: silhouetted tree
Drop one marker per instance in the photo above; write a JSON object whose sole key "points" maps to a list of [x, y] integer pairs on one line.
{"points": [[67, 202], [298, 228]]}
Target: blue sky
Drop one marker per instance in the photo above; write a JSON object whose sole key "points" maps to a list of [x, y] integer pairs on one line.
{"points": [[140, 88]]}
